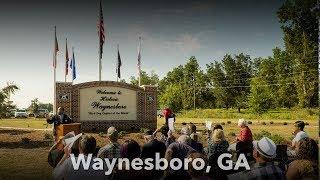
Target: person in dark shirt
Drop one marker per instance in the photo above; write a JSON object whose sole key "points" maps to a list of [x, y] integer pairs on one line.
{"points": [[152, 146], [195, 144], [60, 118], [149, 150]]}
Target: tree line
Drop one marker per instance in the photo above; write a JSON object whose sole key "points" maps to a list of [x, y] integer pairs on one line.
{"points": [[287, 79]]}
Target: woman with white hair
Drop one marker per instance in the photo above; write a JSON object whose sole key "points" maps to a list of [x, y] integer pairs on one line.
{"points": [[245, 133]]}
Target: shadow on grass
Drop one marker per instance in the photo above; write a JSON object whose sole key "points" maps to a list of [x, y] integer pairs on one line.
{"points": [[26, 145], [14, 131]]}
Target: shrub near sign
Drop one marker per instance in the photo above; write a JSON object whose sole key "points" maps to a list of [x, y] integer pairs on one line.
{"points": [[107, 103]]}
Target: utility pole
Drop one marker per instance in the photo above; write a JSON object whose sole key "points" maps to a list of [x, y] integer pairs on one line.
{"points": [[194, 91]]}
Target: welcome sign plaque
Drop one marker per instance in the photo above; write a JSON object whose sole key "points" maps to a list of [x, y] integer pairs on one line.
{"points": [[108, 103]]}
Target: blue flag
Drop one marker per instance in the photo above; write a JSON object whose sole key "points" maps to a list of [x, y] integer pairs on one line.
{"points": [[73, 66]]}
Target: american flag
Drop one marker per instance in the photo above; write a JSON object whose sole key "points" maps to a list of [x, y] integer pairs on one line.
{"points": [[139, 58], [101, 32], [56, 48], [119, 64], [67, 57]]}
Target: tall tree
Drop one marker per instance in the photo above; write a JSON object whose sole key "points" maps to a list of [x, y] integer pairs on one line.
{"points": [[146, 79], [300, 27], [5, 103]]}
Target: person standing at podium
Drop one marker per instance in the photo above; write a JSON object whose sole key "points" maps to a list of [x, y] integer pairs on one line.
{"points": [[60, 118]]}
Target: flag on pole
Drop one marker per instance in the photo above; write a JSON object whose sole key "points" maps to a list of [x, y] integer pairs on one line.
{"points": [[101, 31], [56, 49], [73, 66], [67, 58], [139, 61], [119, 64]]}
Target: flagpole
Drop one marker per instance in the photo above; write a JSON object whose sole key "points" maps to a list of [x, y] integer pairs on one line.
{"points": [[140, 61], [117, 64], [54, 72], [65, 64], [72, 63]]}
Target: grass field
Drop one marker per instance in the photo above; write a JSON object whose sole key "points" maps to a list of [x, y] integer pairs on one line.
{"points": [[35, 123], [19, 160]]}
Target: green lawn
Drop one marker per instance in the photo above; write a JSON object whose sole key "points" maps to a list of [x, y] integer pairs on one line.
{"points": [[278, 114], [25, 123]]}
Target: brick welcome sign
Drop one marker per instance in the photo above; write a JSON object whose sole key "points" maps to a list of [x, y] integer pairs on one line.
{"points": [[98, 105]]}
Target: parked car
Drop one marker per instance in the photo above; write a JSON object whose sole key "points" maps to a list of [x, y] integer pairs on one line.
{"points": [[42, 113], [21, 113]]}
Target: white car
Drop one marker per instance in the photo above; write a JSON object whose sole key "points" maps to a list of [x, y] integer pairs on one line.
{"points": [[21, 113]]}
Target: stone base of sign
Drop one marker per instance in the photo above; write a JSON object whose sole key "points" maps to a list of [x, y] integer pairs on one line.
{"points": [[68, 96]]}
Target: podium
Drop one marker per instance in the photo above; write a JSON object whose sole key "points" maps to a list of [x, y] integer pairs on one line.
{"points": [[63, 129]]}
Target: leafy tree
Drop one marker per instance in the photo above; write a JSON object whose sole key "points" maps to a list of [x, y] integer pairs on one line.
{"points": [[263, 88], [34, 106], [286, 92], [300, 27], [172, 97], [146, 79], [47, 106], [230, 80], [5, 104]]}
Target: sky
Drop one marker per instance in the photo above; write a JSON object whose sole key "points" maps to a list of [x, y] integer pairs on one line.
{"points": [[171, 31]]}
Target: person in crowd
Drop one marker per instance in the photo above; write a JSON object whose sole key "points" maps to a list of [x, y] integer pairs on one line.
{"points": [[56, 152], [180, 149], [305, 165], [56, 120], [192, 128], [298, 133], [112, 149], [217, 144], [195, 144], [130, 149], [194, 173], [152, 146], [170, 139], [264, 168], [217, 126], [245, 132], [185, 130], [65, 170], [149, 150], [244, 139], [167, 113]]}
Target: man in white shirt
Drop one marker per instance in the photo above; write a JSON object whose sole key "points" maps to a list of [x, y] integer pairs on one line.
{"points": [[299, 133]]}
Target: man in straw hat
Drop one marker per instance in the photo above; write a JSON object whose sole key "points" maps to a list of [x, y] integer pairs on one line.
{"points": [[112, 149], [264, 152]]}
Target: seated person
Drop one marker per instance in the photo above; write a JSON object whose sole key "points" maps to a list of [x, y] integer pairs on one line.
{"points": [[305, 165], [180, 149], [264, 168], [298, 133], [195, 144], [244, 138], [112, 149], [217, 144], [195, 173], [56, 152], [65, 170], [152, 146], [185, 130]]}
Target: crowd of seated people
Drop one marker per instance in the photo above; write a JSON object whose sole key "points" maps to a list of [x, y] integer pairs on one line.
{"points": [[260, 154]]}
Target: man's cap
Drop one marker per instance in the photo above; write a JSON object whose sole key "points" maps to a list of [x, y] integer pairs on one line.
{"points": [[266, 147]]}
